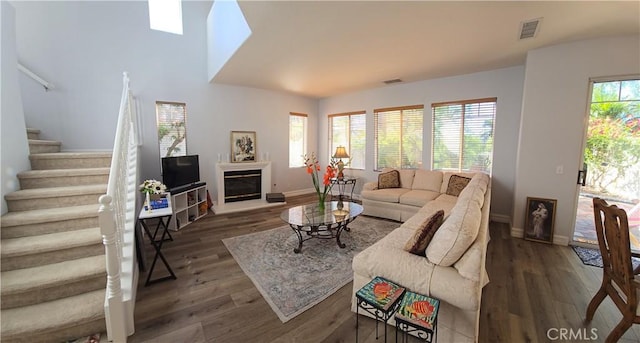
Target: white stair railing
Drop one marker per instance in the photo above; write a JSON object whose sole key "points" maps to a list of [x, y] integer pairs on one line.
{"points": [[117, 223]]}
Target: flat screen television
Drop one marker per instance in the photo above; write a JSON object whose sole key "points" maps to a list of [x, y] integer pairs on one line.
{"points": [[180, 171]]}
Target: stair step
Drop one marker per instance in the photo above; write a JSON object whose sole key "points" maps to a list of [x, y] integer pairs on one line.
{"points": [[38, 146], [41, 198], [70, 160], [24, 287], [55, 321], [32, 251], [63, 177], [33, 133], [50, 220]]}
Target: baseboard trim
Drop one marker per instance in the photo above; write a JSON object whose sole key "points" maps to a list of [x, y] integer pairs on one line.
{"points": [[557, 240], [299, 192], [500, 218]]}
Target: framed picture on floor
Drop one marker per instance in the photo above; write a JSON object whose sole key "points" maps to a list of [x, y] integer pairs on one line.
{"points": [[540, 219], [243, 146]]}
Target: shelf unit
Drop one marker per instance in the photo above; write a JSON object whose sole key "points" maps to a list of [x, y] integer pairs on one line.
{"points": [[188, 206]]}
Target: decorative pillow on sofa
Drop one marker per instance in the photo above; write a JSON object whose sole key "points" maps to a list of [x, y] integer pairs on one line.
{"points": [[389, 179], [457, 184], [424, 233]]}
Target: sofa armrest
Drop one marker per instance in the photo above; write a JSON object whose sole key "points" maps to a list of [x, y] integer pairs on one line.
{"points": [[370, 186]]}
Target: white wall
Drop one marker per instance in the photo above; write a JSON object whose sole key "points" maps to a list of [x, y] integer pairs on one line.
{"points": [[553, 124], [15, 149], [505, 84], [83, 48]]}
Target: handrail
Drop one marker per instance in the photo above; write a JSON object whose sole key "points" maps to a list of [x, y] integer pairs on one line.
{"points": [[117, 223], [47, 85]]}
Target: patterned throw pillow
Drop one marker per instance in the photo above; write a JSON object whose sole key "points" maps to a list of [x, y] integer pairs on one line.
{"points": [[390, 179], [423, 235], [457, 184]]}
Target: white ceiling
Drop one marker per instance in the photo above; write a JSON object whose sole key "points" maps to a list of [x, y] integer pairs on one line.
{"points": [[324, 48]]}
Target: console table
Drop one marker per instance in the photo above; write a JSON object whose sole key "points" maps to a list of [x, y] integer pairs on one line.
{"points": [[163, 216]]}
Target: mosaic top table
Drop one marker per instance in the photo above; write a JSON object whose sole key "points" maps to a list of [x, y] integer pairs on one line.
{"points": [[311, 221]]}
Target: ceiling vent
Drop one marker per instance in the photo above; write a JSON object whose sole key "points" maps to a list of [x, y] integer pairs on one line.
{"points": [[388, 82], [530, 28]]}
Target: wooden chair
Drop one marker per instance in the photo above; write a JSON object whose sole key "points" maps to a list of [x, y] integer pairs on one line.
{"points": [[618, 280]]}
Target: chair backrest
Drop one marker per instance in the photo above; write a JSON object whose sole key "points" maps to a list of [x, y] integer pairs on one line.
{"points": [[612, 228]]}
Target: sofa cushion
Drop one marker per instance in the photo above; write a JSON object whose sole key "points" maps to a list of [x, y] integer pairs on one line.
{"points": [[455, 235], [418, 197], [423, 235], [385, 195], [456, 184], [429, 180], [447, 175], [390, 179]]}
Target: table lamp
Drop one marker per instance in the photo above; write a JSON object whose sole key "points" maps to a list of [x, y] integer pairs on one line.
{"points": [[341, 153]]}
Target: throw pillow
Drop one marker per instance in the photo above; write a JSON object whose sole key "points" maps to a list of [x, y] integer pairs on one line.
{"points": [[424, 233], [389, 179], [457, 184]]}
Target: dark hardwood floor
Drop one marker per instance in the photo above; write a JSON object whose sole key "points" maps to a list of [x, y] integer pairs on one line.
{"points": [[537, 292]]}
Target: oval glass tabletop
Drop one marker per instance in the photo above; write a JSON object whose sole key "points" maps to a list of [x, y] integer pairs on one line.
{"points": [[311, 215]]}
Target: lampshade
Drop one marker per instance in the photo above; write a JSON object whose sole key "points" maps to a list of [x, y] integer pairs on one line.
{"points": [[341, 152]]}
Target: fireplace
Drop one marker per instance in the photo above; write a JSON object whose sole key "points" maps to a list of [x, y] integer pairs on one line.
{"points": [[241, 185]]}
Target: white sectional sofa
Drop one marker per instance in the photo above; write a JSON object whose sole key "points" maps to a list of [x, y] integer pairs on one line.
{"points": [[453, 268]]}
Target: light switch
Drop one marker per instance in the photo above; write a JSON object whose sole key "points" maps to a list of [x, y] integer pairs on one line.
{"points": [[560, 169]]}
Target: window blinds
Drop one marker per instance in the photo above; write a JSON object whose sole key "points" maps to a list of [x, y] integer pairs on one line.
{"points": [[398, 137], [463, 135], [349, 130]]}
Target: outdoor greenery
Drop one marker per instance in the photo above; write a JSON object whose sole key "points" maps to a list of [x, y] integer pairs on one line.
{"points": [[613, 135], [399, 139], [175, 132]]}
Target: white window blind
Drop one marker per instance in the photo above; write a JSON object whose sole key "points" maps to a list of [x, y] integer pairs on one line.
{"points": [[297, 139], [398, 137], [172, 128], [463, 135], [349, 130]]}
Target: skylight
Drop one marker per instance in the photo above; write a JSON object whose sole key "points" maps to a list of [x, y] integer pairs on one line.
{"points": [[166, 15]]}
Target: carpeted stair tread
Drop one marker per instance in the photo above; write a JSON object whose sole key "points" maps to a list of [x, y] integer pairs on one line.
{"points": [[54, 192], [53, 315], [62, 172], [62, 155], [43, 142], [22, 280], [34, 131], [50, 242], [48, 215]]}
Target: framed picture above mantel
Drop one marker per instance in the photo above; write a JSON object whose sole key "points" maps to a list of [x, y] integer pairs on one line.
{"points": [[243, 146]]}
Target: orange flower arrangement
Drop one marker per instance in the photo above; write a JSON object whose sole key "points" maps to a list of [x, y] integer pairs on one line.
{"points": [[313, 167]]}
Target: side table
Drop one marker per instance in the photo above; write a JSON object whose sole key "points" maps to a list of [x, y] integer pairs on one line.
{"points": [[163, 216], [380, 297], [418, 314], [342, 184]]}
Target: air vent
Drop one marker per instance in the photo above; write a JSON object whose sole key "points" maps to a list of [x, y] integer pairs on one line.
{"points": [[388, 82], [529, 29]]}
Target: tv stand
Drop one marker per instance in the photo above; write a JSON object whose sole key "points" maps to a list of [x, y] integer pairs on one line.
{"points": [[189, 204]]}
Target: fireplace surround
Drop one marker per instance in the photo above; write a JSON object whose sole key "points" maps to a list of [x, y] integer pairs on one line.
{"points": [[246, 192]]}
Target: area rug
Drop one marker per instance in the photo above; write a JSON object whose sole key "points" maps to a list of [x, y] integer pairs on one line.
{"points": [[592, 257], [292, 283]]}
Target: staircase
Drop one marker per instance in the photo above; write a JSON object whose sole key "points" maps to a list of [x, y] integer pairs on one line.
{"points": [[53, 272]]}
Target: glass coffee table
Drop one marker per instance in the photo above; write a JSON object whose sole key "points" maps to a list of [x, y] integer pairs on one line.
{"points": [[310, 221]]}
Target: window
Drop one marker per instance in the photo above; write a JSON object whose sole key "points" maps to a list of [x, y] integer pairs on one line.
{"points": [[398, 137], [172, 128], [349, 130], [297, 139], [166, 15], [463, 135]]}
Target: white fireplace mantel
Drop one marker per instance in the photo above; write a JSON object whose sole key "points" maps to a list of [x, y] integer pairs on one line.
{"points": [[222, 207]]}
